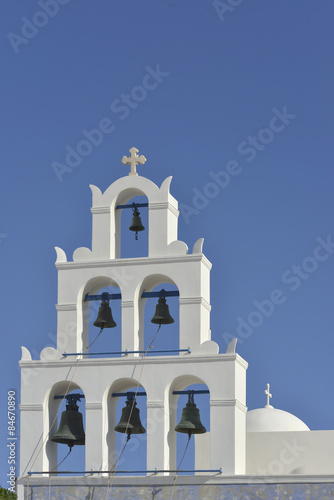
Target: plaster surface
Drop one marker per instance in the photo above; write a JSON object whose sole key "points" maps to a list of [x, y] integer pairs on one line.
{"points": [[168, 261]]}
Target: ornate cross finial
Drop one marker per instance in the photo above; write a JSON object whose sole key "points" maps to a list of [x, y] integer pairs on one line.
{"points": [[133, 160], [267, 392]]}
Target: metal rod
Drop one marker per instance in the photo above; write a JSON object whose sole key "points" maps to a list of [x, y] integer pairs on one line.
{"points": [[69, 395], [66, 354], [155, 471], [132, 205], [204, 391], [163, 293], [126, 394], [145, 295], [104, 295]]}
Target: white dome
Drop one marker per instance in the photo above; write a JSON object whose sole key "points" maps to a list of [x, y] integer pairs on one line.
{"points": [[269, 419]]}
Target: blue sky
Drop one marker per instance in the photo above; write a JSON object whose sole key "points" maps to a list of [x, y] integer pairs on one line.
{"points": [[236, 104]]}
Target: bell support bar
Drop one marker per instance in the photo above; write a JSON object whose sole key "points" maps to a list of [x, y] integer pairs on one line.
{"points": [[71, 397], [132, 205], [132, 394], [203, 391], [162, 293], [129, 394], [105, 296]]}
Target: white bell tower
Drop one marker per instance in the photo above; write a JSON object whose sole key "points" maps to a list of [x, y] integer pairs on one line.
{"points": [[67, 367]]}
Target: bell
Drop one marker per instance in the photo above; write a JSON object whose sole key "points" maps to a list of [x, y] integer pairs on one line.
{"points": [[190, 422], [104, 318], [162, 316], [136, 224], [132, 426], [71, 429]]}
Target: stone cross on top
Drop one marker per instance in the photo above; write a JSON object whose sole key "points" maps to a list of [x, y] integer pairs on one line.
{"points": [[133, 160], [267, 392]]}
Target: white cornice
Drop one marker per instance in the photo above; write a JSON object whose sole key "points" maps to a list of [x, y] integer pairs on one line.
{"points": [[100, 210], [195, 359], [206, 262], [31, 407], [152, 206], [93, 406], [195, 300], [66, 307], [164, 205], [241, 361], [138, 261], [228, 402], [128, 303], [155, 404]]}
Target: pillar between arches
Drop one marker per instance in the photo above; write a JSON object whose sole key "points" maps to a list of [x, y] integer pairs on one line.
{"points": [[93, 434], [194, 322], [130, 337], [157, 446]]}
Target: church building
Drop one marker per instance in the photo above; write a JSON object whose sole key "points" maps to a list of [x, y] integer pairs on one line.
{"points": [[76, 396]]}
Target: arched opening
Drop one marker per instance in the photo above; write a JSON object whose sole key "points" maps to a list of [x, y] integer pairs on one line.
{"points": [[109, 339], [93, 339], [65, 456], [123, 453], [131, 244], [195, 454], [165, 338]]}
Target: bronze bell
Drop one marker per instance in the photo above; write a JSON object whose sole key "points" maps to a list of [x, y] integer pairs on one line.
{"points": [[104, 318], [71, 429], [162, 316], [130, 425], [190, 422], [136, 224]]}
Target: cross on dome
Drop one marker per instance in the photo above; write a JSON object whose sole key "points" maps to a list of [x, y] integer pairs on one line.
{"points": [[267, 392], [133, 160]]}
